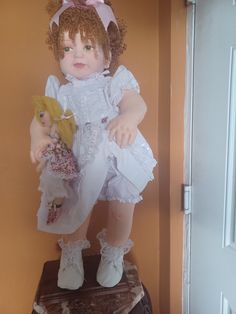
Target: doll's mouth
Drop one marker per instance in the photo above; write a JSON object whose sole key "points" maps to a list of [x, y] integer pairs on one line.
{"points": [[79, 65]]}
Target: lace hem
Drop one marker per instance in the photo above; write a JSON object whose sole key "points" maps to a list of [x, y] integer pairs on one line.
{"points": [[113, 253], [71, 245], [133, 200]]}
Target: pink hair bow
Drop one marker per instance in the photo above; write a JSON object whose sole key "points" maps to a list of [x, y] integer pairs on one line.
{"points": [[93, 2], [104, 11]]}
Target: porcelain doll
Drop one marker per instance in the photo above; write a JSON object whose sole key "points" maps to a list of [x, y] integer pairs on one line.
{"points": [[115, 161]]}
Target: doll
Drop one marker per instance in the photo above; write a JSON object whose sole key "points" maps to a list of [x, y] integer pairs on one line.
{"points": [[115, 161], [57, 164]]}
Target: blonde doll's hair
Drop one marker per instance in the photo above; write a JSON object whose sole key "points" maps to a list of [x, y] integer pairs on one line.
{"points": [[88, 23], [64, 121]]}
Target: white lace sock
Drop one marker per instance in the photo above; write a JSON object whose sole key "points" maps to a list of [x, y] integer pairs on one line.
{"points": [[71, 271], [110, 269]]}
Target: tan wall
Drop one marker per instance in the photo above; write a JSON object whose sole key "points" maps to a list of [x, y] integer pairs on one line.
{"points": [[25, 65], [164, 154]]}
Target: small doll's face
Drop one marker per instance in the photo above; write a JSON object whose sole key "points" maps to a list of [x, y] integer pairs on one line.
{"points": [[45, 118], [81, 59]]}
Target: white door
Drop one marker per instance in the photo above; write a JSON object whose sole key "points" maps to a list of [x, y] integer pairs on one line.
{"points": [[213, 230]]}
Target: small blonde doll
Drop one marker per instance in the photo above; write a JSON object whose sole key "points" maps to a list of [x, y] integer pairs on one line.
{"points": [[114, 159], [57, 164]]}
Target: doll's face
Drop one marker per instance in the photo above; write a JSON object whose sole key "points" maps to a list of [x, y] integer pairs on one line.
{"points": [[81, 59], [45, 118]]}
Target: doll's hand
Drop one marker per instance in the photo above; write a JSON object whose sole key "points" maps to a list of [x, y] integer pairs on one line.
{"points": [[40, 166], [122, 129], [37, 149]]}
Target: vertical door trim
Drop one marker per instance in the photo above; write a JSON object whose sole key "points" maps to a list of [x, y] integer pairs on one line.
{"points": [[188, 129], [229, 227]]}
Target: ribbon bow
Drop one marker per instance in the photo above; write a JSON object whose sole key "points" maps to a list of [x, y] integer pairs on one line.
{"points": [[64, 117], [104, 11], [94, 2]]}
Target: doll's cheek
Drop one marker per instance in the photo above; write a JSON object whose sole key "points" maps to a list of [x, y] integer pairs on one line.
{"points": [[45, 119]]}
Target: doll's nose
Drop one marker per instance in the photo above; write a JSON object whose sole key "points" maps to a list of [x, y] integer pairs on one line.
{"points": [[78, 53]]}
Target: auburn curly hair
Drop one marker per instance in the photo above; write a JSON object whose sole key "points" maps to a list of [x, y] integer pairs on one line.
{"points": [[88, 23]]}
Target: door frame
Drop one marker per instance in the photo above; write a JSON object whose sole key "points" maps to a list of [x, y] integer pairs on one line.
{"points": [[188, 129]]}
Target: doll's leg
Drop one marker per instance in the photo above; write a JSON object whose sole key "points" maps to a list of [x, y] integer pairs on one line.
{"points": [[71, 271], [54, 190], [115, 243], [54, 210], [120, 219], [80, 233]]}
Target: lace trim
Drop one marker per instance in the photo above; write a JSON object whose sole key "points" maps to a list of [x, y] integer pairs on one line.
{"points": [[113, 253], [133, 200], [72, 245], [71, 250], [90, 138], [91, 77]]}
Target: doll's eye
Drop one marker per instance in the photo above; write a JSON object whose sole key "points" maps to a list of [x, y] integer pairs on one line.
{"points": [[88, 47], [67, 49], [41, 114]]}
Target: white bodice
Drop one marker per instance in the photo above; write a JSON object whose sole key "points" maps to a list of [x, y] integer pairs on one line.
{"points": [[94, 99]]}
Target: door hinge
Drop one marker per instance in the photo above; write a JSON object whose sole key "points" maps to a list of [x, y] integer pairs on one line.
{"points": [[187, 198], [190, 2]]}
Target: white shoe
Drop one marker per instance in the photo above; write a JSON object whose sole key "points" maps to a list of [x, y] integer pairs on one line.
{"points": [[71, 271], [110, 269]]}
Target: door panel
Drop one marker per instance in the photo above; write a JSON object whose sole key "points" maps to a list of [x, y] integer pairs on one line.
{"points": [[213, 238]]}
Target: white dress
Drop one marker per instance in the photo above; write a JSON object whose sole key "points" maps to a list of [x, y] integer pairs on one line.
{"points": [[106, 171]]}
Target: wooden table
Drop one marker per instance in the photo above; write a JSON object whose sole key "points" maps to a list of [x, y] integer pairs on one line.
{"points": [[129, 296]]}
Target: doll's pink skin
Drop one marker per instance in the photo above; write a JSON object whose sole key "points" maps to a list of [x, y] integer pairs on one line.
{"points": [[39, 140], [42, 135], [80, 60]]}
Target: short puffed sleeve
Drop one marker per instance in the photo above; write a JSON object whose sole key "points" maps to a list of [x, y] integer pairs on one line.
{"points": [[52, 87], [122, 80]]}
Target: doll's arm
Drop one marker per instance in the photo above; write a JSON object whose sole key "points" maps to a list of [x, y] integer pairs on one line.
{"points": [[123, 128], [39, 139]]}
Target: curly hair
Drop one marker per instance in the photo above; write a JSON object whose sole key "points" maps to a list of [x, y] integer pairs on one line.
{"points": [[87, 22]]}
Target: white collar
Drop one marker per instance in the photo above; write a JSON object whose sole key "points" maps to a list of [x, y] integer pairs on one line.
{"points": [[88, 79]]}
